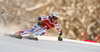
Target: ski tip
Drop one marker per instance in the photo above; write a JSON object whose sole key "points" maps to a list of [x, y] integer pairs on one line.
{"points": [[36, 39], [20, 37]]}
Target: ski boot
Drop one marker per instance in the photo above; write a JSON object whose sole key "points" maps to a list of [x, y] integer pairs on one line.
{"points": [[34, 38], [17, 35]]}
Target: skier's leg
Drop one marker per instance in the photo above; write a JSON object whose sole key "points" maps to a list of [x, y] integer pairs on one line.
{"points": [[43, 32], [40, 32], [20, 33], [34, 29]]}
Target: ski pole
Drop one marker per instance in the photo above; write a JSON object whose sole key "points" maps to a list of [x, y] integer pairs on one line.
{"points": [[16, 17]]}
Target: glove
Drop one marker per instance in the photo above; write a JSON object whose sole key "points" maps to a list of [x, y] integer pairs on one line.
{"points": [[39, 23], [60, 38]]}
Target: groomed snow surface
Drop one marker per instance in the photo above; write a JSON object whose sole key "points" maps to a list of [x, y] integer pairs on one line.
{"points": [[45, 44]]}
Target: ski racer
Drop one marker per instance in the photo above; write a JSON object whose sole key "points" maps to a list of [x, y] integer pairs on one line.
{"points": [[44, 23]]}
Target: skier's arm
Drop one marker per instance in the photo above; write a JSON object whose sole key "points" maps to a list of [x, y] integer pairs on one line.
{"points": [[60, 32]]}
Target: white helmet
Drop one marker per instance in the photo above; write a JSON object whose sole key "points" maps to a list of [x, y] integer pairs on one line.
{"points": [[55, 14]]}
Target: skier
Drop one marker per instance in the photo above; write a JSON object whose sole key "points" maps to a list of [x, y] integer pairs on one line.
{"points": [[44, 23]]}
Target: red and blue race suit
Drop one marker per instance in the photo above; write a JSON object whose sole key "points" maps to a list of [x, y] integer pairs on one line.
{"points": [[46, 25]]}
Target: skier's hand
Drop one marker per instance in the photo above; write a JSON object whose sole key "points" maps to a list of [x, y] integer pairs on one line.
{"points": [[60, 38], [39, 23]]}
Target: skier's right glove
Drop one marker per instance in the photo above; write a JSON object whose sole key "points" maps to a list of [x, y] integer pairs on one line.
{"points": [[39, 23], [60, 36]]}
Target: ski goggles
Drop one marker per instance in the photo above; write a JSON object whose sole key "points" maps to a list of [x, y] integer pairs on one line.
{"points": [[55, 18]]}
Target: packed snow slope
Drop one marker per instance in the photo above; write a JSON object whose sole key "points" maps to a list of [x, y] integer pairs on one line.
{"points": [[45, 44]]}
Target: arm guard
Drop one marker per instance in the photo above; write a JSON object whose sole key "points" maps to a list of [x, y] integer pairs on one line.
{"points": [[60, 34]]}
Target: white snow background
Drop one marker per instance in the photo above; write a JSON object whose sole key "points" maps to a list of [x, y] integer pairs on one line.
{"points": [[44, 44]]}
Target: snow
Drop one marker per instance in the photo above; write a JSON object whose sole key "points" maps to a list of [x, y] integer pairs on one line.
{"points": [[45, 44]]}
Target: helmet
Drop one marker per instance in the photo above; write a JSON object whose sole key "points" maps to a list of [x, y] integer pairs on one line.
{"points": [[54, 14]]}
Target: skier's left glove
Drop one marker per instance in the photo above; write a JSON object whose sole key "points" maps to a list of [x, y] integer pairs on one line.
{"points": [[60, 38], [39, 21]]}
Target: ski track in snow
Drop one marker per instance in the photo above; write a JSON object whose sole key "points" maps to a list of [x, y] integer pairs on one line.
{"points": [[45, 44]]}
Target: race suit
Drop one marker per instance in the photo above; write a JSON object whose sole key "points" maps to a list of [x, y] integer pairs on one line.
{"points": [[46, 25]]}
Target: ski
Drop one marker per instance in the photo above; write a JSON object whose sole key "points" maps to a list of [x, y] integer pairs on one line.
{"points": [[19, 37], [32, 38]]}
